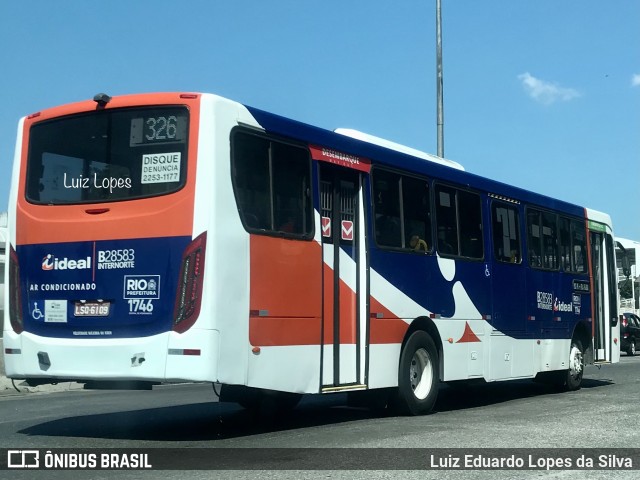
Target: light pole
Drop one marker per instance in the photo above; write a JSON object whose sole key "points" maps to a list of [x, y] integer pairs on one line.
{"points": [[440, 115]]}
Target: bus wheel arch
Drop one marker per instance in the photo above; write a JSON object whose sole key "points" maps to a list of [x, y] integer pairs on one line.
{"points": [[426, 324], [419, 369]]}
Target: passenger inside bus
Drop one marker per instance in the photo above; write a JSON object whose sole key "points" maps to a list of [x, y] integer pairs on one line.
{"points": [[418, 244]]}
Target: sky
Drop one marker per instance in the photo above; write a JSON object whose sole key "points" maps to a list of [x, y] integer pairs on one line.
{"points": [[540, 94]]}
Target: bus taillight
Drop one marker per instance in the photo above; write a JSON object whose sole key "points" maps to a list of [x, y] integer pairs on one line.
{"points": [[15, 297], [189, 290]]}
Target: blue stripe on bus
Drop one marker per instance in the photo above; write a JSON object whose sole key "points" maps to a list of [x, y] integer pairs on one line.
{"points": [[309, 134]]}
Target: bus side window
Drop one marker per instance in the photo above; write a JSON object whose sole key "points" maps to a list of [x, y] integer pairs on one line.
{"points": [[402, 211], [388, 230], [579, 246], [444, 242], [565, 244], [251, 178], [542, 228], [446, 220], [470, 222], [506, 233], [459, 221], [550, 240], [387, 208], [291, 189], [534, 240], [416, 208], [534, 258], [272, 185]]}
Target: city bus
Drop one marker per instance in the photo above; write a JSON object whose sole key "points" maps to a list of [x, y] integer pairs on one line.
{"points": [[177, 237]]}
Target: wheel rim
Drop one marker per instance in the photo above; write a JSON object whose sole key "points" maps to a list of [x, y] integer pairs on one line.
{"points": [[633, 347], [575, 362], [420, 374]]}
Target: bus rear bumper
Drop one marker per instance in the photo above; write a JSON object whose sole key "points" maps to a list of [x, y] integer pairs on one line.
{"points": [[166, 357]]}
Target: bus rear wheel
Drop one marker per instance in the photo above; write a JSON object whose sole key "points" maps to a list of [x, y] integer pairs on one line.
{"points": [[575, 373], [418, 375]]}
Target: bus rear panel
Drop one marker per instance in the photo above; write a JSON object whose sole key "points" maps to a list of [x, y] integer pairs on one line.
{"points": [[104, 266]]}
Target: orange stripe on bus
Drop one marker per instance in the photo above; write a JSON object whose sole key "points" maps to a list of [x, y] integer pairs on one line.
{"points": [[285, 291], [348, 311], [286, 298], [389, 328], [327, 309], [285, 277], [277, 332], [348, 314]]}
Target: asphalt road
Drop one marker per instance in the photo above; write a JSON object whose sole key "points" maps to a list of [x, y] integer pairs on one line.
{"points": [[520, 414]]}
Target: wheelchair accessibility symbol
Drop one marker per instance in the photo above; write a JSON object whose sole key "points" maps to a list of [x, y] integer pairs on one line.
{"points": [[36, 313]]}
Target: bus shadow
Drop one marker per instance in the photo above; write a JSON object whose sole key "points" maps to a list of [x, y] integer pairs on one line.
{"points": [[199, 421], [212, 421], [465, 396]]}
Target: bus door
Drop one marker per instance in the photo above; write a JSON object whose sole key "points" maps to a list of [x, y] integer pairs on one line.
{"points": [[344, 278], [604, 315]]}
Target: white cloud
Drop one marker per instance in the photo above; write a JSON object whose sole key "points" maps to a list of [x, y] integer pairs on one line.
{"points": [[635, 80], [546, 92]]}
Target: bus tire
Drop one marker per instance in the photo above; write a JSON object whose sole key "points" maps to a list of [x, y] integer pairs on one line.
{"points": [[575, 373], [418, 375]]}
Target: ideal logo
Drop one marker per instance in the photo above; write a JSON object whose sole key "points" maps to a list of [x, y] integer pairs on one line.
{"points": [[559, 306], [141, 286], [49, 262]]}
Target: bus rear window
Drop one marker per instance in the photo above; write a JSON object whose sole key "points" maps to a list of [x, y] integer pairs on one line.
{"points": [[107, 155]]}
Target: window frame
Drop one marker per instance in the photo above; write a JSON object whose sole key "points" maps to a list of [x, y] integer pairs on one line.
{"points": [[509, 206], [404, 247], [541, 247], [306, 210], [459, 189], [185, 168], [583, 227], [573, 222]]}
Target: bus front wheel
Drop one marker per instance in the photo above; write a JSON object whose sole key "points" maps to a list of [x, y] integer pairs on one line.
{"points": [[576, 366], [418, 375]]}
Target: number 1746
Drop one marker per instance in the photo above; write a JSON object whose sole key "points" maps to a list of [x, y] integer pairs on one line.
{"points": [[142, 305]]}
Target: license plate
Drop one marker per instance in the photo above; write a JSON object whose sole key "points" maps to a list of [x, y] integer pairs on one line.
{"points": [[92, 309]]}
